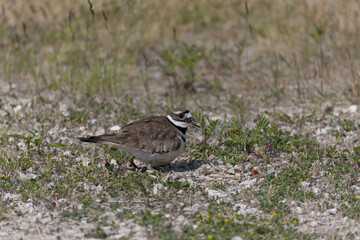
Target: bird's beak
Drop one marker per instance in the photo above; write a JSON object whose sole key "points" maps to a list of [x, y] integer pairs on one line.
{"points": [[193, 121]]}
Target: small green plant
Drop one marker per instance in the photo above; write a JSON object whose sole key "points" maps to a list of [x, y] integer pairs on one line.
{"points": [[347, 125], [208, 125], [177, 184], [357, 150], [283, 185], [180, 61], [350, 205], [96, 233], [234, 141], [78, 116], [35, 139], [218, 185]]}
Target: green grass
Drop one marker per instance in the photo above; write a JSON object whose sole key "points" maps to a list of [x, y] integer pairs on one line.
{"points": [[285, 185], [96, 233], [350, 205], [219, 224]]}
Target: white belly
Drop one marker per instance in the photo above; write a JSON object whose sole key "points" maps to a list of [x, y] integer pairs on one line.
{"points": [[156, 159]]}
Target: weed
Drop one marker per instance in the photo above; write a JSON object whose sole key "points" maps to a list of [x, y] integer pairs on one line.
{"points": [[350, 205], [208, 125], [218, 185], [347, 125], [35, 139], [184, 57], [98, 232], [177, 184], [279, 187]]}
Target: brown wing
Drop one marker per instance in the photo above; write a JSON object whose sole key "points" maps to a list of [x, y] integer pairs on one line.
{"points": [[152, 134]]}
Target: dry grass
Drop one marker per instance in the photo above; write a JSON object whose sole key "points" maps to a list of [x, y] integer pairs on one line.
{"points": [[300, 47]]}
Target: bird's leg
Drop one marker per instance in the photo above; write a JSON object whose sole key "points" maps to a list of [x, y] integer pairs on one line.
{"points": [[125, 164]]}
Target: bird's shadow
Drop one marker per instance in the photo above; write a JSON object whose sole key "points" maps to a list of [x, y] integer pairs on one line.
{"points": [[184, 165]]}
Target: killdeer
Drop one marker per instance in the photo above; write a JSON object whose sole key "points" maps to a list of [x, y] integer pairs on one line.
{"points": [[155, 140]]}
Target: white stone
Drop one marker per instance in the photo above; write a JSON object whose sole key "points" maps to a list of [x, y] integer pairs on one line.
{"points": [[236, 238], [28, 176], [351, 109], [331, 211], [100, 132], [157, 187], [324, 130], [313, 224], [3, 113], [17, 108], [316, 190], [305, 184], [246, 184], [115, 128], [215, 193], [21, 145], [113, 162]]}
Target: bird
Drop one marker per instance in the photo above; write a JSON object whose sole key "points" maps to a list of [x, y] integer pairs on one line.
{"points": [[155, 140]]}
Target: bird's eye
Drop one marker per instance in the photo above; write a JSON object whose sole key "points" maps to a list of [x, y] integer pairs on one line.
{"points": [[181, 115]]}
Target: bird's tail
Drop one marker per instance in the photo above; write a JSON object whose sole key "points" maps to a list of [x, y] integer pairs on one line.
{"points": [[97, 139]]}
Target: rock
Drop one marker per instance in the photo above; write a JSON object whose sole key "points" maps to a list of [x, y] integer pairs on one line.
{"points": [[305, 184], [236, 238], [316, 190], [231, 171], [62, 200], [302, 220], [313, 224], [108, 230], [331, 211], [298, 210], [179, 222], [17, 108], [70, 233], [351, 109], [239, 206], [246, 184], [21, 145], [100, 132], [215, 193], [115, 128], [28, 176], [193, 209], [157, 187], [244, 209], [323, 130], [113, 162], [92, 121]]}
